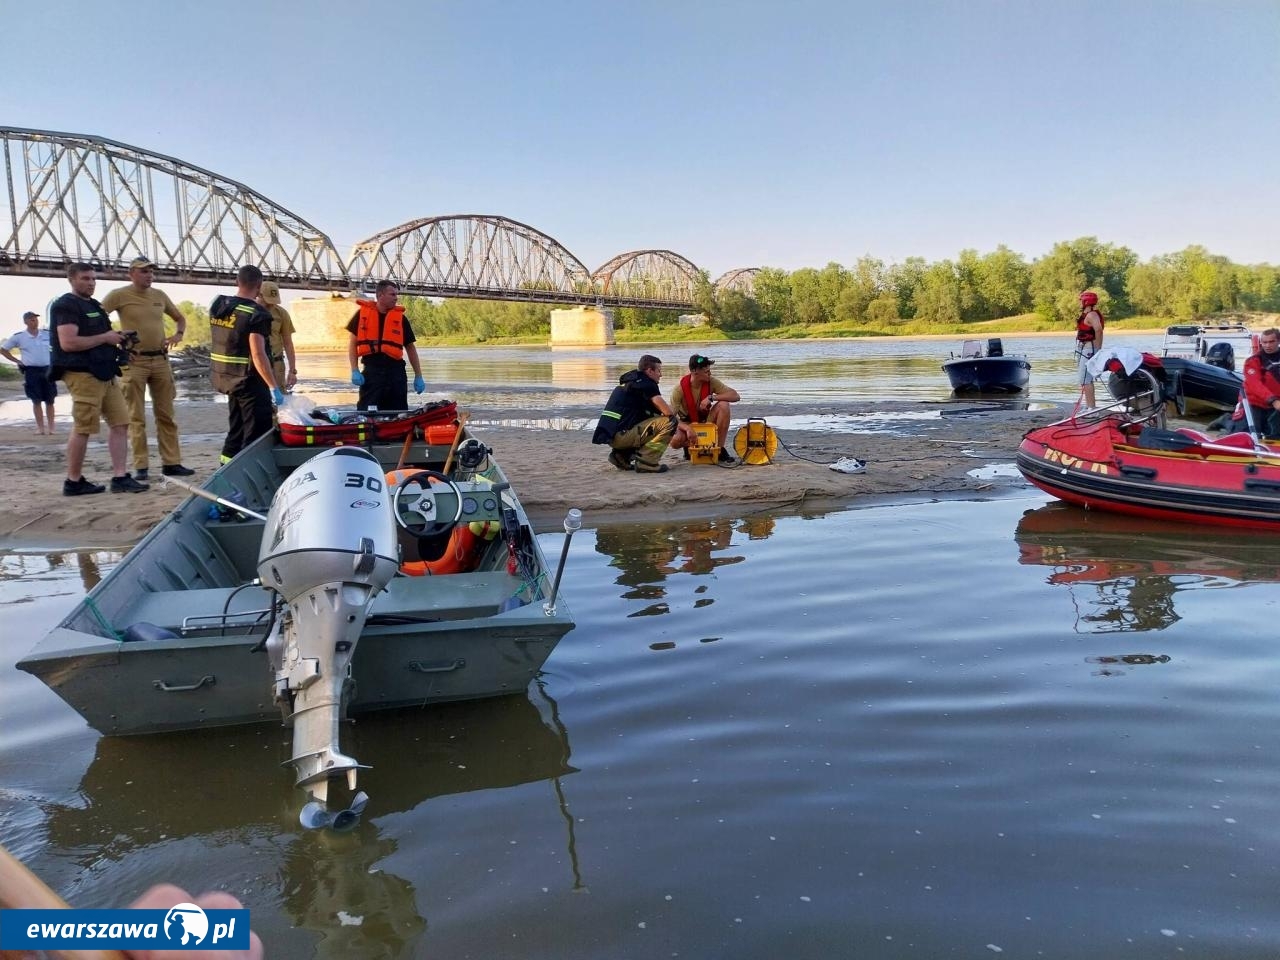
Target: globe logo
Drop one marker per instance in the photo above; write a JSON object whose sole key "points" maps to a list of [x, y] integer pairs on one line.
{"points": [[186, 925]]}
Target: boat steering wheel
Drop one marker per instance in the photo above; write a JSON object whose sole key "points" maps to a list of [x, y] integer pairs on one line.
{"points": [[422, 504]]}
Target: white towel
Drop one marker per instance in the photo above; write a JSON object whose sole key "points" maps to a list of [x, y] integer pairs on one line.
{"points": [[1129, 358]]}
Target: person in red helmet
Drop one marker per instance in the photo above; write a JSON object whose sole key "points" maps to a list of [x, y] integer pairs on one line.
{"points": [[1088, 342]]}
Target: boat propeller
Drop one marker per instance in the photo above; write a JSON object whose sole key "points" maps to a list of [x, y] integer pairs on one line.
{"points": [[316, 816]]}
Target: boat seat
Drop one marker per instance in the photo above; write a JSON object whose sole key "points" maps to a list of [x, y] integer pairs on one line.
{"points": [[202, 610], [460, 595]]}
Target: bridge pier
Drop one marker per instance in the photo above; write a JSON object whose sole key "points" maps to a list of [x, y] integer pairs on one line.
{"points": [[582, 327], [320, 323]]}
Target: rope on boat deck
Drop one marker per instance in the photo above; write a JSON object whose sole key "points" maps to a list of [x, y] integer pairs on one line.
{"points": [[102, 620]]}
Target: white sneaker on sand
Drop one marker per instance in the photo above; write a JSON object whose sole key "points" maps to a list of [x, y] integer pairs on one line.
{"points": [[849, 465]]}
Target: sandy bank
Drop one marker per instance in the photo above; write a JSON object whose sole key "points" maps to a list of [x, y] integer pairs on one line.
{"points": [[912, 450]]}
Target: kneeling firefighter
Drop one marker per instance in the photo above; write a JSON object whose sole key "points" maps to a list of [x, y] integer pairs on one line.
{"points": [[637, 423]]}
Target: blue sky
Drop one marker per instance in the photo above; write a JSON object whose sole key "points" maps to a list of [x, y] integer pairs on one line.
{"points": [[737, 134]]}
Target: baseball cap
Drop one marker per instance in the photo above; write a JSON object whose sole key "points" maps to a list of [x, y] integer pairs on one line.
{"points": [[29, 314], [140, 263], [270, 293], [698, 361]]}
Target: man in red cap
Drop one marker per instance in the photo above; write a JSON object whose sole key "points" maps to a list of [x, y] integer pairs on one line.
{"points": [[1088, 342]]}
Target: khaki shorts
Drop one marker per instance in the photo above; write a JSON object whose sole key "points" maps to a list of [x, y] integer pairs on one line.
{"points": [[93, 401]]}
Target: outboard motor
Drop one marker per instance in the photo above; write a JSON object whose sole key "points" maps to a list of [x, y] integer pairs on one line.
{"points": [[329, 549], [1221, 355], [994, 347]]}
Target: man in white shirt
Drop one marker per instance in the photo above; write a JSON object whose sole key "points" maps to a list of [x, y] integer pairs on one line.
{"points": [[33, 346]]}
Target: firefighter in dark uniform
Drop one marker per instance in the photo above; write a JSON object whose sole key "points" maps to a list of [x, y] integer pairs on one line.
{"points": [[240, 363], [637, 422]]}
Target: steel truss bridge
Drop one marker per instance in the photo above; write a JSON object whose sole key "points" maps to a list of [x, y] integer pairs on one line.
{"points": [[76, 198]]}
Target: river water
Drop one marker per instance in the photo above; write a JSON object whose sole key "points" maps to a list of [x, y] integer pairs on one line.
{"points": [[952, 729]]}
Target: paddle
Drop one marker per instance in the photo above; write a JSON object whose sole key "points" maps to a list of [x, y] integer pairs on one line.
{"points": [[20, 889], [404, 451], [1248, 416], [457, 438]]}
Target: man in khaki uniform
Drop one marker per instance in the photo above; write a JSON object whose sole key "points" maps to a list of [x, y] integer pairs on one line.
{"points": [[281, 345], [141, 307]]}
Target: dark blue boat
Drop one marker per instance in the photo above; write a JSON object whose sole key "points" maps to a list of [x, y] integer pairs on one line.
{"points": [[1200, 362], [978, 370]]}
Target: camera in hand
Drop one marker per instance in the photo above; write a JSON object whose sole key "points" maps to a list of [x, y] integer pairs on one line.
{"points": [[128, 341]]}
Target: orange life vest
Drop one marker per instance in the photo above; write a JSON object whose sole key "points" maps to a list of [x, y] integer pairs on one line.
{"points": [[694, 408], [386, 337]]}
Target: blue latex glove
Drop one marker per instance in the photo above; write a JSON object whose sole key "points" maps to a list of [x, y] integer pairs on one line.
{"points": [[419, 384], [357, 378], [278, 396]]}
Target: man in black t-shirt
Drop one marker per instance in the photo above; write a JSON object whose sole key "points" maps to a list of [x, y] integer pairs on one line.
{"points": [[86, 354]]}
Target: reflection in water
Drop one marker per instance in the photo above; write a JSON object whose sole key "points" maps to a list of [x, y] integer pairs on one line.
{"points": [[1124, 572], [1109, 666], [141, 792], [34, 567], [589, 373], [648, 556]]}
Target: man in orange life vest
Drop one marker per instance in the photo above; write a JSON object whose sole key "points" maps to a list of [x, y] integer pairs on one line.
{"points": [[701, 398], [382, 337]]}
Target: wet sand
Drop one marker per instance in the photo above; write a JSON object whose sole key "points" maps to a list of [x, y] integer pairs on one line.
{"points": [[929, 453]]}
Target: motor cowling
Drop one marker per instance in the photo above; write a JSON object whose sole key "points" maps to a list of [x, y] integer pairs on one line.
{"points": [[331, 520], [1221, 355]]}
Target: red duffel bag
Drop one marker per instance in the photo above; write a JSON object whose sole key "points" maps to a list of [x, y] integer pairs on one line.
{"points": [[370, 426]]}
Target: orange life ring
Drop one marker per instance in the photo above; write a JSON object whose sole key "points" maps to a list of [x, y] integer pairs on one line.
{"points": [[462, 555], [466, 545]]}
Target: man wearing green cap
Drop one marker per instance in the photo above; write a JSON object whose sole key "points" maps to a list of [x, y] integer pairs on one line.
{"points": [[701, 398]]}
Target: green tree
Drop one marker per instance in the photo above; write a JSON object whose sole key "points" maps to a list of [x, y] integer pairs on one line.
{"points": [[937, 296], [1084, 264], [904, 278], [973, 305], [806, 297], [1003, 280], [773, 296], [736, 311], [863, 284], [197, 334], [1259, 287], [883, 310], [704, 296]]}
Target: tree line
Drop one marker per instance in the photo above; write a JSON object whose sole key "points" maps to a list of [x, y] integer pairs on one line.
{"points": [[1002, 283], [916, 294]]}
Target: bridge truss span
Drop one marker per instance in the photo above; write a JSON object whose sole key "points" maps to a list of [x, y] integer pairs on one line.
{"points": [[74, 197], [472, 255], [658, 277], [742, 280]]}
